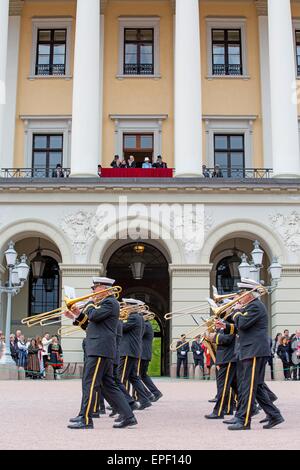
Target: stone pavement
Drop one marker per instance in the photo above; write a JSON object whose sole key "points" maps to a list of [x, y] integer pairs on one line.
{"points": [[35, 414]]}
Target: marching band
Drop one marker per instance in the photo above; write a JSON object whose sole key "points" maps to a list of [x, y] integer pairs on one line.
{"points": [[118, 350]]}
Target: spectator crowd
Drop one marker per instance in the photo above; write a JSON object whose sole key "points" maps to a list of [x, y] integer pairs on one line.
{"points": [[34, 355]]}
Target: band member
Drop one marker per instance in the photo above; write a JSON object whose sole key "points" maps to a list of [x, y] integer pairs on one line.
{"points": [[182, 356], [116, 364], [130, 352], [145, 361], [251, 323], [198, 353], [226, 363], [100, 346]]}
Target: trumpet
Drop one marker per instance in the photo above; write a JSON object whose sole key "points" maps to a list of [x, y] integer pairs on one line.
{"points": [[186, 311], [55, 315]]}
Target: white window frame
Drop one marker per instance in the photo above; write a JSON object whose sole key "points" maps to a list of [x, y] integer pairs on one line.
{"points": [[227, 23], [138, 124], [152, 22], [51, 23], [229, 125], [47, 125], [296, 26]]}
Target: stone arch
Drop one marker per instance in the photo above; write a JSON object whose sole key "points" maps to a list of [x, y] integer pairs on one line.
{"points": [[158, 235], [35, 228], [244, 229]]}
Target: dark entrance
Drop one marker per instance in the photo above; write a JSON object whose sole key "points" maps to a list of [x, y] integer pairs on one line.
{"points": [[152, 288]]}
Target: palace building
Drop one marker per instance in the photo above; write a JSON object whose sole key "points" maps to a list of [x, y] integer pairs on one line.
{"points": [[208, 82]]}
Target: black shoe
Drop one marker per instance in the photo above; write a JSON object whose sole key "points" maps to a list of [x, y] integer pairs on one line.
{"points": [[119, 419], [157, 396], [76, 419], [109, 408], [145, 404], [214, 416], [274, 422], [81, 425], [231, 421], [151, 397], [96, 415], [238, 426], [102, 411], [125, 423], [265, 420], [213, 400], [113, 413], [134, 406]]}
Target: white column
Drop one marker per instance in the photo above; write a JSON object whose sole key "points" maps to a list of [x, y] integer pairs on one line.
{"points": [[188, 103], [86, 90], [4, 11], [9, 125], [284, 115], [265, 90]]}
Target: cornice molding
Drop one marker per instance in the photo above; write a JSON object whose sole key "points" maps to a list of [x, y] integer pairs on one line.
{"points": [[82, 270]]}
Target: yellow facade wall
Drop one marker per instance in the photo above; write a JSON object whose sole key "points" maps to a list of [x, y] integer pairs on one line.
{"points": [[41, 96], [53, 96]]}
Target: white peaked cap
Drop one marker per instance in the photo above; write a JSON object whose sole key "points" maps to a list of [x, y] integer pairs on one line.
{"points": [[103, 280], [133, 302], [247, 283]]}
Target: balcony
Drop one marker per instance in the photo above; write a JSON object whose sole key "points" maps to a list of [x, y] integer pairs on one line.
{"points": [[49, 70], [230, 69], [49, 173], [138, 69]]}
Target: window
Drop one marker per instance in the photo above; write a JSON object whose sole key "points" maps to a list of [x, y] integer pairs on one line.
{"points": [[138, 52], [297, 34], [47, 152], [44, 291], [138, 145], [139, 39], [51, 48], [226, 47], [229, 154], [51, 52], [226, 52]]}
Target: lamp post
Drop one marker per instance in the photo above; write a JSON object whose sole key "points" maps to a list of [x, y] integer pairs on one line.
{"points": [[252, 270], [17, 276]]}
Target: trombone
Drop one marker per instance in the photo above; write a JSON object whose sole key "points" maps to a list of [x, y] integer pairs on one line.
{"points": [[55, 315], [186, 311]]}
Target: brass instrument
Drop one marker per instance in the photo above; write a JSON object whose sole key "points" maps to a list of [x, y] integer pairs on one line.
{"points": [[227, 309], [56, 314], [149, 316], [218, 298], [186, 311]]}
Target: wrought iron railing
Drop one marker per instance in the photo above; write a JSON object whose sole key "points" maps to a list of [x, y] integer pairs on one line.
{"points": [[34, 173], [138, 69], [222, 69], [241, 173], [47, 69]]}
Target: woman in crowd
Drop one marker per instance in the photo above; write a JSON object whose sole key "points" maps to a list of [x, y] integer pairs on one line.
{"points": [[276, 342], [208, 362], [33, 363], [13, 348], [55, 356], [22, 357], [41, 352], [283, 352]]}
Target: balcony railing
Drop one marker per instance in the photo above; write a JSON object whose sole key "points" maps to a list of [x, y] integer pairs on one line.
{"points": [[227, 173], [47, 69], [33, 173], [233, 69], [138, 69]]}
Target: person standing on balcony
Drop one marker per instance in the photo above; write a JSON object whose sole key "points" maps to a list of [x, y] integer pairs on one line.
{"points": [[147, 163], [116, 162], [131, 163], [217, 172], [58, 172], [123, 164], [159, 163], [205, 171]]}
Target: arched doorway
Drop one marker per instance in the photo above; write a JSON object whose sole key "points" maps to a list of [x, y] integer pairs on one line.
{"points": [[148, 281], [226, 258]]}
